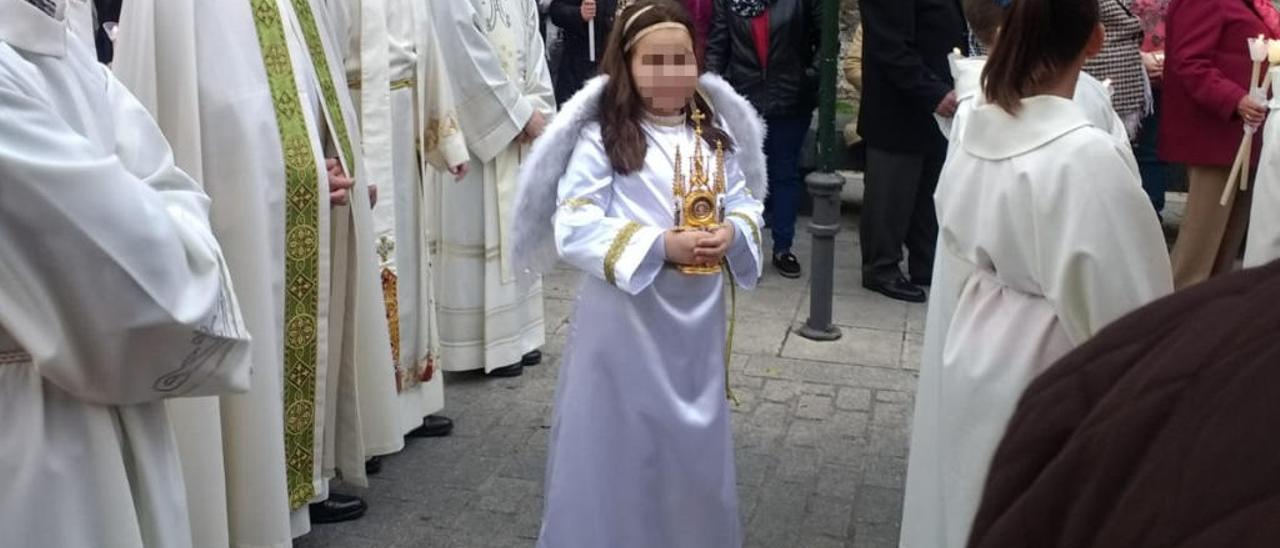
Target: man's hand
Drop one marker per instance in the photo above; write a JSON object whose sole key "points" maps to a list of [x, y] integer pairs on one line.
{"points": [[533, 128], [459, 171], [339, 183], [947, 108], [1251, 110], [588, 10], [711, 249]]}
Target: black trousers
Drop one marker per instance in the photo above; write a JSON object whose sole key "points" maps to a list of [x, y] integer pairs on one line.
{"points": [[898, 211]]}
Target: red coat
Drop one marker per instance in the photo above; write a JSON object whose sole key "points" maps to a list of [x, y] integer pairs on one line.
{"points": [[1207, 69]]}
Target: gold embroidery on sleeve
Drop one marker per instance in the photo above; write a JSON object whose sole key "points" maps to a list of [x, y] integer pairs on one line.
{"points": [[439, 129], [615, 251], [755, 230], [575, 203]]}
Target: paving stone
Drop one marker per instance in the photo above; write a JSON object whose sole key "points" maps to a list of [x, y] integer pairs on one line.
{"points": [[854, 399], [804, 433], [754, 468], [878, 505], [839, 482], [815, 407], [780, 391], [828, 517], [875, 535], [797, 465], [851, 424], [761, 336], [770, 302], [888, 440], [771, 415], [858, 345], [893, 396], [888, 471], [817, 389], [556, 314], [912, 346], [916, 318], [821, 542]]}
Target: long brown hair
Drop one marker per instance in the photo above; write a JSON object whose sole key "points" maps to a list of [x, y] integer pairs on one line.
{"points": [[1037, 40], [621, 107]]}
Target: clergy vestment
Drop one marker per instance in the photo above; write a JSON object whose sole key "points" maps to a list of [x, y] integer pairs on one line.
{"points": [[199, 67], [359, 414], [420, 97], [641, 443], [114, 295], [499, 74], [1263, 244], [1046, 238]]}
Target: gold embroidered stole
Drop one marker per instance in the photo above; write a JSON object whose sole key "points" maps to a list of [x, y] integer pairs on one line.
{"points": [[302, 251]]}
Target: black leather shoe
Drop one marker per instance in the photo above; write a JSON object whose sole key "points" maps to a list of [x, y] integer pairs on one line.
{"points": [[531, 359], [922, 281], [338, 508], [513, 370], [373, 466], [434, 426], [899, 289], [787, 265]]}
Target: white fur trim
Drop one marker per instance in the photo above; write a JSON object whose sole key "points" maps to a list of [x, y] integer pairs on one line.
{"points": [[534, 247]]}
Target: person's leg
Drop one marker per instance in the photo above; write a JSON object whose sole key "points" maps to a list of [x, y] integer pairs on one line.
{"points": [[1233, 236], [888, 201], [782, 149], [1203, 227], [1155, 176], [922, 235]]}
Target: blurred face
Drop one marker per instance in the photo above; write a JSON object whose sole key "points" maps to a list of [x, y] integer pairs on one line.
{"points": [[665, 70]]}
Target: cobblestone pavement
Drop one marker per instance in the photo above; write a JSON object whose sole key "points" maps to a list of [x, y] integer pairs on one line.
{"points": [[821, 434]]}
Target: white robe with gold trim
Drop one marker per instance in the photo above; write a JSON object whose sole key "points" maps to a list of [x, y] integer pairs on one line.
{"points": [[499, 74]]}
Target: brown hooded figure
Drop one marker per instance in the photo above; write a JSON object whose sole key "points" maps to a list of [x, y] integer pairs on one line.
{"points": [[1161, 431]]}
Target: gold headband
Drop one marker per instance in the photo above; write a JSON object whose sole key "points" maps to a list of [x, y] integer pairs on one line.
{"points": [[651, 29]]}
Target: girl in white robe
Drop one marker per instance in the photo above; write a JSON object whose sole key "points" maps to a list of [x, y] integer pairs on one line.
{"points": [[1046, 237], [641, 447]]}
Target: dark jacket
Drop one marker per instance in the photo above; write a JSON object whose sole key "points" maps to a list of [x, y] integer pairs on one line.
{"points": [[1160, 431], [905, 74], [576, 66], [789, 85]]}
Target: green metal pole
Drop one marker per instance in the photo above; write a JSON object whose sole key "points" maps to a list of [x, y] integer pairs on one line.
{"points": [[827, 84], [825, 186]]}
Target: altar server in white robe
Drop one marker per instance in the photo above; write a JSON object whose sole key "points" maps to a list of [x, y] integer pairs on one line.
{"points": [[498, 71], [1263, 245], [114, 296], [419, 97], [984, 18], [641, 443], [1046, 237]]}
